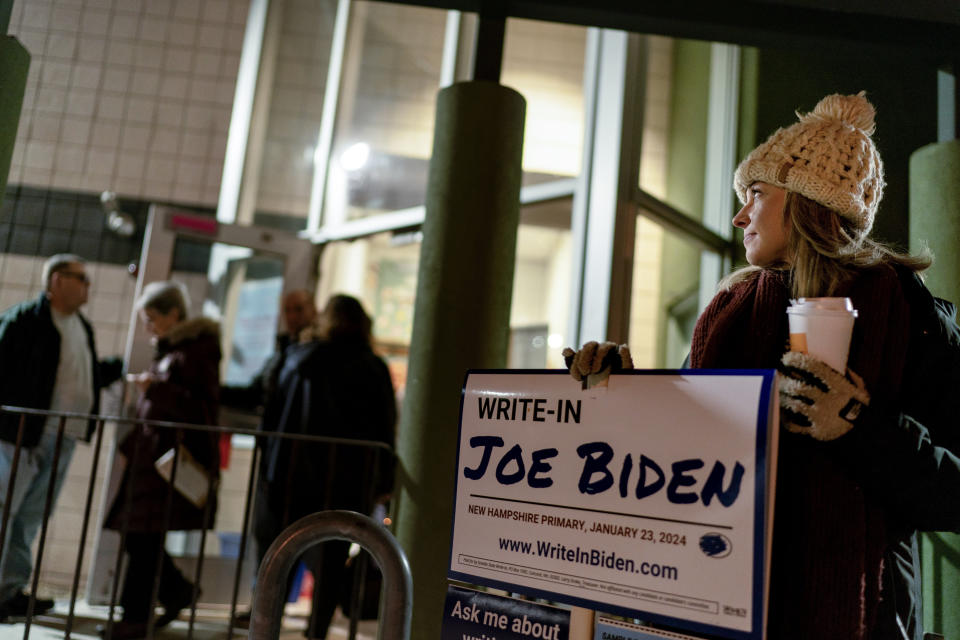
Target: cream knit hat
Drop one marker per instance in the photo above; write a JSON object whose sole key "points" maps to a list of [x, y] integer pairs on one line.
{"points": [[828, 157]]}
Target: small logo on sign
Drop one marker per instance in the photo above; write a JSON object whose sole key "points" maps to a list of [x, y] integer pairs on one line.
{"points": [[715, 545]]}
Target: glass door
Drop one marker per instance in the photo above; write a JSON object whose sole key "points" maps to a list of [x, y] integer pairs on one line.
{"points": [[235, 275]]}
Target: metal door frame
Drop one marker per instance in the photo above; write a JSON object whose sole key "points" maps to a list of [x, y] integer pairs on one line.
{"points": [[164, 225]]}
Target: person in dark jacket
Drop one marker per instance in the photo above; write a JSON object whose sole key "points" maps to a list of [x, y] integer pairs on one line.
{"points": [[299, 313], [869, 454], [47, 361], [299, 319], [336, 387], [181, 385], [919, 438]]}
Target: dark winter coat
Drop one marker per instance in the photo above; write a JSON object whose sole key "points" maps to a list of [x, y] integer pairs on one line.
{"points": [[256, 395], [29, 356], [185, 388], [858, 500], [828, 536], [911, 456], [339, 389]]}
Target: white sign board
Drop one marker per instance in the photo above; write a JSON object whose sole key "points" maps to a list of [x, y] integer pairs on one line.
{"points": [[649, 497]]}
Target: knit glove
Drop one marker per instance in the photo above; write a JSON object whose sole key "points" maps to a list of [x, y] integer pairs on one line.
{"points": [[818, 400], [595, 357]]}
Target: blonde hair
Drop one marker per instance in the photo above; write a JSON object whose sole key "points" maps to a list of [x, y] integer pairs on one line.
{"points": [[826, 251]]}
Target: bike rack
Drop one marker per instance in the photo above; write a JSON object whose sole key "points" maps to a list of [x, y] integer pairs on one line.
{"points": [[396, 601]]}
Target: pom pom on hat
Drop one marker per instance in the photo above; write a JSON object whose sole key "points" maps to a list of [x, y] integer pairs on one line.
{"points": [[853, 110], [828, 156]]}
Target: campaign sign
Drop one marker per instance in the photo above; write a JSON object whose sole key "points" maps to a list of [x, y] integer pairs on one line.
{"points": [[474, 615], [649, 497], [607, 629]]}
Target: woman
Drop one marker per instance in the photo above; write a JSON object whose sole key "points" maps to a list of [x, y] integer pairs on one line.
{"points": [[845, 562], [331, 384], [181, 385]]}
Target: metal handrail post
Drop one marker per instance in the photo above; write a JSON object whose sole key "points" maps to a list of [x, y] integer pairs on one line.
{"points": [[47, 508], [11, 482], [75, 585], [244, 532], [396, 604]]}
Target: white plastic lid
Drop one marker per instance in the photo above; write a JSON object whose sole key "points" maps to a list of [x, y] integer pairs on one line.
{"points": [[822, 305]]}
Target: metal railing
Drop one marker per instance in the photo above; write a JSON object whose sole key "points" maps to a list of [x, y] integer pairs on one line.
{"points": [[396, 596], [374, 448]]}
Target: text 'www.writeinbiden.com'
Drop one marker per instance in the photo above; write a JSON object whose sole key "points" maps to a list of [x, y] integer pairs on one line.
{"points": [[590, 557]]}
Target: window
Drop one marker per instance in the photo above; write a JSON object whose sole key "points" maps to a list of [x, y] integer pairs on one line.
{"points": [[297, 84], [541, 286], [385, 114]]}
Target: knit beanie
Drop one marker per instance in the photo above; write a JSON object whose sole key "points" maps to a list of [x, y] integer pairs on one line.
{"points": [[828, 157]]}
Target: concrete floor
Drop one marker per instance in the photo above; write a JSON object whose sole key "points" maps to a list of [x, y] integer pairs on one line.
{"points": [[210, 624]]}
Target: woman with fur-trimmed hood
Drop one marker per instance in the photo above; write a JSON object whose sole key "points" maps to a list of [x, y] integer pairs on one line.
{"points": [[181, 385]]}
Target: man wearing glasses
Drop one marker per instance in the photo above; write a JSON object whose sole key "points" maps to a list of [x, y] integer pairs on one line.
{"points": [[47, 361]]}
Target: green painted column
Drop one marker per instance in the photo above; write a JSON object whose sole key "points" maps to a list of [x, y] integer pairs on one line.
{"points": [[935, 221], [935, 213], [14, 65], [461, 317]]}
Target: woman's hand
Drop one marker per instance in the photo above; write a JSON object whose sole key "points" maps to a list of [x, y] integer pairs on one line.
{"points": [[142, 380], [595, 357], [818, 400]]}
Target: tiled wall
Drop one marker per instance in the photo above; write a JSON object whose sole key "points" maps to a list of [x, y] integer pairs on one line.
{"points": [[544, 62], [42, 222], [656, 115], [132, 96]]}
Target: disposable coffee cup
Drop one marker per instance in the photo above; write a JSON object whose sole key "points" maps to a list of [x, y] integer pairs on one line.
{"points": [[822, 327]]}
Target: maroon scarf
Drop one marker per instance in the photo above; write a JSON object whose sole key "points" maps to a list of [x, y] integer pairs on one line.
{"points": [[828, 537]]}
